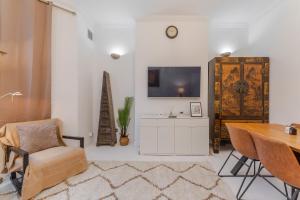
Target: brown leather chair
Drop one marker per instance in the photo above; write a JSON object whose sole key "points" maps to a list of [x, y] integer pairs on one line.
{"points": [[279, 159], [243, 143]]}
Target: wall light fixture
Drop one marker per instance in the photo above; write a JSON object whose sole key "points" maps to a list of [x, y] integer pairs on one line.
{"points": [[115, 56], [225, 54]]}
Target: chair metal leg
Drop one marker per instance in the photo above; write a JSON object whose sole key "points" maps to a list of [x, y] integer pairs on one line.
{"points": [[244, 179], [294, 191], [286, 191], [264, 176], [274, 186], [248, 186], [226, 161], [295, 194], [239, 165], [219, 173]]}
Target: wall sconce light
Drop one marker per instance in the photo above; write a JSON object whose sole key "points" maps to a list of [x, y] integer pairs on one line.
{"points": [[115, 56], [117, 51], [227, 50], [225, 54]]}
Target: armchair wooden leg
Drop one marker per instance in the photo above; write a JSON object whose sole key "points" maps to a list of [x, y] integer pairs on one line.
{"points": [[13, 175], [16, 182]]}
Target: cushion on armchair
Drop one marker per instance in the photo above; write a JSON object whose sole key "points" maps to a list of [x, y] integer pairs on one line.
{"points": [[38, 136]]}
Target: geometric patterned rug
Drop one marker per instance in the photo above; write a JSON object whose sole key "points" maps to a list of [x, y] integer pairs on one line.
{"points": [[105, 180]]}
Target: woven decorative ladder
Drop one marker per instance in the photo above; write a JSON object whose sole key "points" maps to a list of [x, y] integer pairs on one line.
{"points": [[107, 127]]}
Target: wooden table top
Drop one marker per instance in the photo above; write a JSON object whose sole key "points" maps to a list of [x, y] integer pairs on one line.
{"points": [[274, 131]]}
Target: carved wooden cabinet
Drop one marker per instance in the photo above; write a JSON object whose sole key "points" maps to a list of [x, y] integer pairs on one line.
{"points": [[238, 92]]}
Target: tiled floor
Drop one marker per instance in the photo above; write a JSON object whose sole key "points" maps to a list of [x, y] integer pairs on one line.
{"points": [[260, 190]]}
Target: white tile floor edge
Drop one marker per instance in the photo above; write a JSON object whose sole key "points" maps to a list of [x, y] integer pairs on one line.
{"points": [[260, 190]]}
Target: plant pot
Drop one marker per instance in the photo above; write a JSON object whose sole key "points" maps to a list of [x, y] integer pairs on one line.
{"points": [[124, 141]]}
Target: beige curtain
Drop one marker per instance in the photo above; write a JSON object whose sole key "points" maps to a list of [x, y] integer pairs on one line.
{"points": [[25, 37]]}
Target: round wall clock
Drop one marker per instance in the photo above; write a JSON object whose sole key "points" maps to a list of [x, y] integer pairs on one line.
{"points": [[172, 32]]}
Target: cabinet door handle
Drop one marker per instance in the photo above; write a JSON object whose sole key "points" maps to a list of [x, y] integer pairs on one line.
{"points": [[237, 87], [3, 52]]}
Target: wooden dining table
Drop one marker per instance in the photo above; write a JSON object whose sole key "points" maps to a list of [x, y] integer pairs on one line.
{"points": [[272, 131]]}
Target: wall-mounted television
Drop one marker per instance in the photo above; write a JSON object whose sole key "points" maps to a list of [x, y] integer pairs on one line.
{"points": [[174, 81]]}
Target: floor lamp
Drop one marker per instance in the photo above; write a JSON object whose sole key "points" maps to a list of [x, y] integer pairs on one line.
{"points": [[12, 94]]}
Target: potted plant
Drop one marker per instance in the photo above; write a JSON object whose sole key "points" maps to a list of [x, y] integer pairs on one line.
{"points": [[124, 120]]}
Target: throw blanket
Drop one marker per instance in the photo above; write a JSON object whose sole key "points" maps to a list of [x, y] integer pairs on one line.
{"points": [[46, 168]]}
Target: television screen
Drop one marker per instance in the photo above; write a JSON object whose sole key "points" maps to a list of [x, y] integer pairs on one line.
{"points": [[174, 81]]}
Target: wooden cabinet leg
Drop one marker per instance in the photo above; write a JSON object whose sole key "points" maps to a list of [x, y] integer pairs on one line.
{"points": [[216, 145]]}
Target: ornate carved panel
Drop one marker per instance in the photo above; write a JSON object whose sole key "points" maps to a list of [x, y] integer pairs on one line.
{"points": [[266, 90], [231, 100], [217, 89], [253, 95]]}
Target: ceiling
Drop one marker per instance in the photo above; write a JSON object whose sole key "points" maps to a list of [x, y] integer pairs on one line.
{"points": [[127, 11]]}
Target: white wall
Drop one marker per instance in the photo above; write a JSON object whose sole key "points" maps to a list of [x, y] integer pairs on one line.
{"points": [[72, 61], [182, 51], [276, 34], [77, 62], [190, 48], [64, 70], [224, 37], [153, 48], [86, 62], [113, 38]]}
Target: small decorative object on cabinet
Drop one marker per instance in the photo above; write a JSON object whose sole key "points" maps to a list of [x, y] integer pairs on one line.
{"points": [[107, 128], [238, 92], [196, 109], [124, 120]]}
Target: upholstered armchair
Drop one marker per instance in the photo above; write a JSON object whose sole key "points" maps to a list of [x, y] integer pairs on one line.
{"points": [[37, 157]]}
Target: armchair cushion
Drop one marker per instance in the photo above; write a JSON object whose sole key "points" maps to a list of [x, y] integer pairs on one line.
{"points": [[38, 136], [9, 137]]}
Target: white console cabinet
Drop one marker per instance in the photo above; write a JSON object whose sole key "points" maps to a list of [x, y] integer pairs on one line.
{"points": [[179, 136]]}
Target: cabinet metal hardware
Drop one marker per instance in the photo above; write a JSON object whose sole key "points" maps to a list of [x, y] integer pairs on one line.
{"points": [[241, 87]]}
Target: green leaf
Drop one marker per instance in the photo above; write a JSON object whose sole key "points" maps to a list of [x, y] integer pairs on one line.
{"points": [[124, 115]]}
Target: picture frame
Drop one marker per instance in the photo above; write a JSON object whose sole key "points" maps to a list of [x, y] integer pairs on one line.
{"points": [[196, 109]]}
